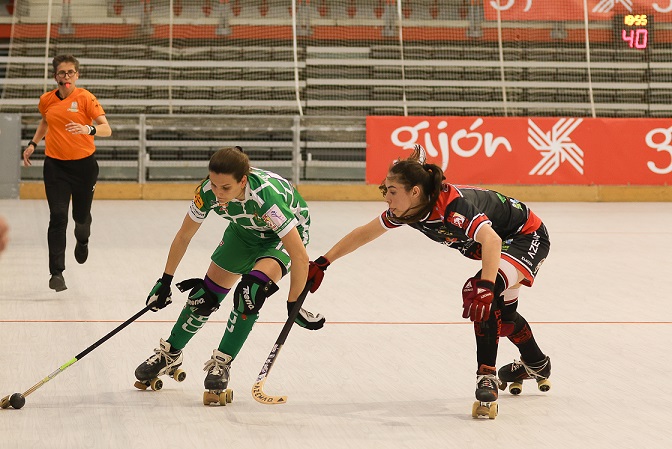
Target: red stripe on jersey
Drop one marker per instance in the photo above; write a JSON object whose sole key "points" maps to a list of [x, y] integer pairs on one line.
{"points": [[476, 223], [532, 224], [448, 194], [385, 221]]}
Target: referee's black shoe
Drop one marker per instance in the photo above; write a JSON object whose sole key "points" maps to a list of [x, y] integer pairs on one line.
{"points": [[81, 252], [57, 282]]}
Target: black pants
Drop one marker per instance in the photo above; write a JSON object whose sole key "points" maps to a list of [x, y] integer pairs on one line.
{"points": [[62, 180]]}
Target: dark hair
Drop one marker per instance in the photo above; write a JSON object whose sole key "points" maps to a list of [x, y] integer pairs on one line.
{"points": [[60, 59], [230, 161], [413, 172]]}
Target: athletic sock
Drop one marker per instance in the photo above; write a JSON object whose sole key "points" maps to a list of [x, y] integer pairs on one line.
{"points": [[238, 328]]}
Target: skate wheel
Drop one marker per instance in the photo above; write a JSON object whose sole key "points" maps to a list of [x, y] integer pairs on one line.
{"points": [[474, 409], [488, 409], [5, 402], [210, 397], [226, 397], [516, 388], [179, 375], [502, 385], [544, 385], [140, 385], [156, 384], [492, 411]]}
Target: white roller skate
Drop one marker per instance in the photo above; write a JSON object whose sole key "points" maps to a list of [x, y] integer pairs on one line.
{"points": [[486, 392], [217, 379], [518, 371], [164, 361]]}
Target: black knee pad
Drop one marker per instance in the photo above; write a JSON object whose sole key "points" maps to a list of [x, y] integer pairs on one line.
{"points": [[251, 293], [203, 300]]}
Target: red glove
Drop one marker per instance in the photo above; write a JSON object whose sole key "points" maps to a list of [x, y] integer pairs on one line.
{"points": [[316, 271], [477, 296]]}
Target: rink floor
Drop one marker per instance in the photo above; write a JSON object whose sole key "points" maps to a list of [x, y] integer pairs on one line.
{"points": [[393, 368]]}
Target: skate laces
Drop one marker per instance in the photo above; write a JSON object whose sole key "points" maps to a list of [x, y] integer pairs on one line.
{"points": [[531, 370], [160, 353], [487, 381], [215, 367]]}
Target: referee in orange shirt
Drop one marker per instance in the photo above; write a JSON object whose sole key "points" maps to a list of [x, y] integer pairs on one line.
{"points": [[71, 117]]}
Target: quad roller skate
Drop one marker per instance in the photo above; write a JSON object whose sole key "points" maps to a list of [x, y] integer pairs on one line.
{"points": [[486, 393], [217, 379], [162, 362], [518, 371]]}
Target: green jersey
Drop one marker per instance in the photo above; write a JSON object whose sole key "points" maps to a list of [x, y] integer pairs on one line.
{"points": [[271, 208]]}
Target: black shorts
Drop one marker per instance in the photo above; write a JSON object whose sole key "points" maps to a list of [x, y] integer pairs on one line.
{"points": [[527, 252]]}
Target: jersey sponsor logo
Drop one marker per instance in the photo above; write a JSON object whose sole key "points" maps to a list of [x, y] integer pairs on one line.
{"points": [[197, 213], [74, 107], [274, 217], [458, 220], [198, 201]]}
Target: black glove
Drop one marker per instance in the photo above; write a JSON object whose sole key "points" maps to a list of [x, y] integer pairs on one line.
{"points": [[161, 295], [316, 271], [306, 319]]}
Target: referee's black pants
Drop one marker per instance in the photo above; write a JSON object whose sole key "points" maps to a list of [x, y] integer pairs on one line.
{"points": [[63, 180]]}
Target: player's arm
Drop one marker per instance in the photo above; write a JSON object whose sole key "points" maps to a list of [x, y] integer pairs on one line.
{"points": [[491, 251], [161, 294], [299, 272], [479, 292], [180, 243], [356, 238]]}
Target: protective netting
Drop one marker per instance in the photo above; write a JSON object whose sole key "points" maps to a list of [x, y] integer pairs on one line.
{"points": [[348, 57]]}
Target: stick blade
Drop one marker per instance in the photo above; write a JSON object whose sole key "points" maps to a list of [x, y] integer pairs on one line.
{"points": [[261, 397]]}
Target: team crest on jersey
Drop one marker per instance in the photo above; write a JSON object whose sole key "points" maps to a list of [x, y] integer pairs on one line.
{"points": [[458, 220], [274, 217], [74, 107]]}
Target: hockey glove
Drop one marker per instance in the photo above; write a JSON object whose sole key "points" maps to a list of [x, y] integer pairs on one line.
{"points": [[161, 295], [477, 296], [306, 319], [316, 271]]}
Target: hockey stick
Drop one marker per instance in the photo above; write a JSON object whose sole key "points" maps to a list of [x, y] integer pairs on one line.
{"points": [[258, 387], [6, 402]]}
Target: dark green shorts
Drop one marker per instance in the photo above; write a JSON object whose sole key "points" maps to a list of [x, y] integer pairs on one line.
{"points": [[240, 249]]}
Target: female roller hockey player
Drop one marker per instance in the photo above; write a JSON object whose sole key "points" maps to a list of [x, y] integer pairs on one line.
{"points": [[266, 236], [503, 233]]}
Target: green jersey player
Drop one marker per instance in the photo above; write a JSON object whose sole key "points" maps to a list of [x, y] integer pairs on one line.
{"points": [[265, 239]]}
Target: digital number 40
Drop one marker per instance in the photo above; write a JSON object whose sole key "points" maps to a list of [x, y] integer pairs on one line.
{"points": [[636, 38]]}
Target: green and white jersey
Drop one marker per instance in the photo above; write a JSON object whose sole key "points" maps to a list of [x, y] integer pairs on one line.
{"points": [[272, 206]]}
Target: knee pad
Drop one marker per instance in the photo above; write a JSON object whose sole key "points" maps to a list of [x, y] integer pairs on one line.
{"points": [[201, 298], [512, 322], [251, 293]]}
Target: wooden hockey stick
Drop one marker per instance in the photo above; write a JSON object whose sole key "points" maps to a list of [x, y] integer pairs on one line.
{"points": [[258, 387], [5, 402]]}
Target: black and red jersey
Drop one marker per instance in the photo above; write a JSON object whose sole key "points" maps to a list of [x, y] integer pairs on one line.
{"points": [[461, 211]]}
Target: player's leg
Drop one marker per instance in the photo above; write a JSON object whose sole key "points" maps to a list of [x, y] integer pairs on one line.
{"points": [[57, 188], [83, 187], [521, 261], [487, 342]]}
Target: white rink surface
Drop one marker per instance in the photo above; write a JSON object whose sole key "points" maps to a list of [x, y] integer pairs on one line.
{"points": [[393, 368]]}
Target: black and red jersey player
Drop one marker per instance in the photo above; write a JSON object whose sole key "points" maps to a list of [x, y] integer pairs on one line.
{"points": [[503, 233]]}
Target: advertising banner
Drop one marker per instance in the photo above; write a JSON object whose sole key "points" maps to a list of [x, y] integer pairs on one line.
{"points": [[527, 150], [572, 10]]}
